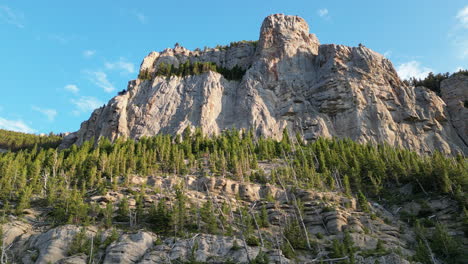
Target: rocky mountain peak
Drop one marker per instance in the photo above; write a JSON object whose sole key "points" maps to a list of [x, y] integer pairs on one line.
{"points": [[282, 35], [286, 80]]}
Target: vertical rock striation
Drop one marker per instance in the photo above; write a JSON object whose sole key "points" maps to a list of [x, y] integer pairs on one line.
{"points": [[292, 82]]}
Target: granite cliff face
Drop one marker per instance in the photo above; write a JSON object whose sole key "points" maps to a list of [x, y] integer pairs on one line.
{"points": [[292, 82]]}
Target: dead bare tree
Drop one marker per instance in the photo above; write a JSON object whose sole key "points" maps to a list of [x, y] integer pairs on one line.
{"points": [[241, 233], [132, 214], [45, 177], [4, 255], [217, 207], [256, 224], [91, 251], [306, 233]]}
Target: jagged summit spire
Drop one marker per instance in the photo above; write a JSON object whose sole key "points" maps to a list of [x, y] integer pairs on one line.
{"points": [[287, 32]]}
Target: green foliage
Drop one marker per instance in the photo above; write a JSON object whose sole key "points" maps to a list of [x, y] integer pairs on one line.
{"points": [[1, 239], [363, 203], [261, 258], [343, 248], [248, 42], [108, 215], [159, 217], [80, 243], [11, 140], [24, 200], [287, 251], [432, 81], [123, 210], [188, 68], [113, 236], [235, 246], [144, 75], [295, 235], [179, 217], [447, 247], [208, 216], [422, 253], [444, 246], [252, 241], [264, 222], [63, 179]]}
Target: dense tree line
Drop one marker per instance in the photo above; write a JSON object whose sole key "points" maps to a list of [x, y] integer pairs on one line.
{"points": [[433, 81], [196, 68], [327, 164], [236, 44], [64, 179], [11, 140]]}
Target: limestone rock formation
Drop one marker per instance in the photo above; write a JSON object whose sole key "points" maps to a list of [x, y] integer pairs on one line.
{"points": [[326, 215], [455, 93], [292, 82]]}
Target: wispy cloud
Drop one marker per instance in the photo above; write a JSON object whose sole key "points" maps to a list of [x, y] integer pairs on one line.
{"points": [[72, 88], [141, 17], [458, 35], [323, 13], [15, 125], [49, 113], [7, 15], [462, 47], [387, 54], [412, 69], [99, 78], [89, 53], [85, 104], [121, 65], [462, 17]]}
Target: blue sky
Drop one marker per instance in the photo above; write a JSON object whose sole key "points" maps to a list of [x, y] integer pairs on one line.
{"points": [[61, 59]]}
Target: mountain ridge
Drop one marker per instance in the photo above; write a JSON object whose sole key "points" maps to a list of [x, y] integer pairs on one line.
{"points": [[291, 82]]}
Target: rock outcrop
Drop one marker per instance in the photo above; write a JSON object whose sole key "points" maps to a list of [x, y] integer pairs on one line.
{"points": [[455, 93], [291, 82], [326, 216]]}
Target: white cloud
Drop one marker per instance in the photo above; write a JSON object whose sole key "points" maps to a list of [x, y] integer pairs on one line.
{"points": [[99, 78], [15, 125], [462, 17], [72, 88], [141, 17], [89, 53], [412, 69], [387, 54], [49, 113], [462, 47], [323, 12], [7, 15], [121, 65], [459, 34], [86, 104]]}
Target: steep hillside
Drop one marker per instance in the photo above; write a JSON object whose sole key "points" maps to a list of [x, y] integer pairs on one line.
{"points": [[11, 140], [285, 80], [232, 198]]}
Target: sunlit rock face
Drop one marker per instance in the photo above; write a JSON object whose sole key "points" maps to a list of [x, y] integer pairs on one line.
{"points": [[292, 82]]}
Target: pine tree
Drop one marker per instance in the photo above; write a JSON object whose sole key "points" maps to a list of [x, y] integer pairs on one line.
{"points": [[123, 210], [180, 211], [208, 216], [363, 203], [264, 222]]}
